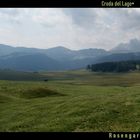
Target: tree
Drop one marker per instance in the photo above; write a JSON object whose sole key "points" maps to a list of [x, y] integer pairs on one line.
{"points": [[121, 66], [88, 67]]}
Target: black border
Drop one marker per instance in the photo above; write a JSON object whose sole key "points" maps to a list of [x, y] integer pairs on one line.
{"points": [[55, 135], [67, 135], [58, 4], [62, 3]]}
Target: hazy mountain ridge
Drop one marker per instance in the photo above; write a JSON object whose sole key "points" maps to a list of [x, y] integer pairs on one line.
{"points": [[132, 46], [57, 58], [119, 57], [61, 58]]}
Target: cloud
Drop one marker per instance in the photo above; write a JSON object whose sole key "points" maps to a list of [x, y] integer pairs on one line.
{"points": [[75, 28], [51, 17], [9, 11], [130, 19], [125, 19], [84, 17], [12, 15]]}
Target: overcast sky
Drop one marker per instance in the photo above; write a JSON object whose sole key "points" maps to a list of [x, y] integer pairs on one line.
{"points": [[74, 28]]}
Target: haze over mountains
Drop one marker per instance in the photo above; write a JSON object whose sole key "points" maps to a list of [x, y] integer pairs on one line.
{"points": [[132, 46], [61, 58]]}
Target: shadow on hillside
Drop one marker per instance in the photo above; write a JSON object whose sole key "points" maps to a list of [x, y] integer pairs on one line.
{"points": [[39, 93]]}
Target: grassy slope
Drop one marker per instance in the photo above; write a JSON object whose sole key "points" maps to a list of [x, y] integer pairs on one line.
{"points": [[92, 102]]}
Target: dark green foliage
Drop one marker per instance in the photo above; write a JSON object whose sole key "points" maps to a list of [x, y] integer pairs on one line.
{"points": [[88, 67], [121, 66]]}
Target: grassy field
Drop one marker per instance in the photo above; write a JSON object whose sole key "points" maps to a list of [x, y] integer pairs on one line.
{"points": [[71, 101]]}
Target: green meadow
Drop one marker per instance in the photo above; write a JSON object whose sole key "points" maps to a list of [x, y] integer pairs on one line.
{"points": [[70, 101]]}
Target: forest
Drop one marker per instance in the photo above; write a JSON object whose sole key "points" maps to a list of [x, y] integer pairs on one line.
{"points": [[121, 66]]}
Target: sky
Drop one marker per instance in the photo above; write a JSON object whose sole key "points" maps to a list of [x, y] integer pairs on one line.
{"points": [[73, 28]]}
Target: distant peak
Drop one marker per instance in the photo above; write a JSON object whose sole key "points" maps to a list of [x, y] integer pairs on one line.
{"points": [[59, 48]]}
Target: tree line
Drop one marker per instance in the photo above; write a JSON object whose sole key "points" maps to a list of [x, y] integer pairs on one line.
{"points": [[121, 66]]}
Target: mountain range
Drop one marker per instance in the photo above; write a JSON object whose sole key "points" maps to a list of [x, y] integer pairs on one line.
{"points": [[61, 58]]}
